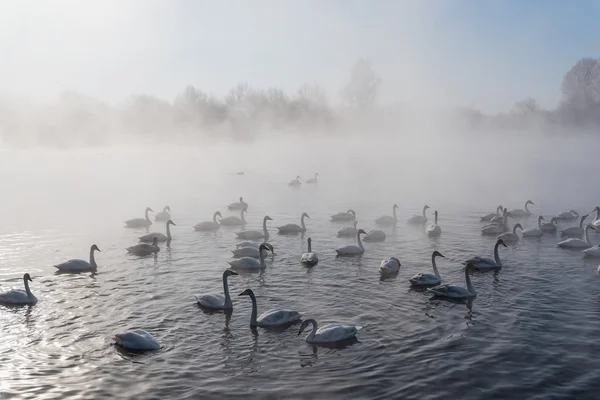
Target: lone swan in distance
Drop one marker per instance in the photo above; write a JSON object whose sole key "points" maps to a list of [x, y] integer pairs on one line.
{"points": [[163, 215], [329, 333], [160, 237], [309, 258], [77, 265], [240, 205], [144, 249], [138, 339], [511, 237], [234, 221], [19, 297], [427, 280], [140, 222], [209, 225], [352, 250], [455, 291], [534, 232], [386, 220], [418, 219], [296, 182], [313, 180], [348, 231], [520, 212], [294, 228], [254, 235], [271, 317], [487, 264], [215, 300], [349, 215], [434, 229]]}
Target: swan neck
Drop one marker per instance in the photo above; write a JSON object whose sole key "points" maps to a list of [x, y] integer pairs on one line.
{"points": [[242, 216], [540, 221], [435, 270], [215, 218], [582, 219], [309, 247], [226, 291], [468, 280], [168, 231], [436, 217], [515, 229], [302, 223], [261, 256], [597, 215], [587, 236], [394, 212], [498, 210], [254, 310], [92, 260], [424, 208], [496, 256], [315, 326], [359, 242], [27, 290], [146, 215], [526, 205], [265, 231]]}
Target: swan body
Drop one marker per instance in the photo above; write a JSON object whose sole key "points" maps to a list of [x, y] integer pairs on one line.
{"points": [[17, 297], [253, 235], [144, 249], [534, 232], [375, 235], [163, 215], [309, 258], [313, 180], [137, 340], [455, 291], [520, 212], [216, 300], [249, 251], [348, 231], [352, 250], [349, 215], [426, 280], [576, 243], [567, 215], [296, 182], [209, 225], [238, 205], [487, 264], [390, 266], [596, 222], [294, 228], [386, 220], [496, 228], [434, 229], [510, 236], [250, 263], [329, 333], [271, 317], [140, 222], [592, 251], [79, 265], [550, 227], [160, 237], [575, 231], [247, 243], [234, 221], [489, 217], [418, 219]]}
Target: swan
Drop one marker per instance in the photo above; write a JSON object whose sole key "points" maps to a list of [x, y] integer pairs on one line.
{"points": [[348, 231], [79, 265], [250, 263], [455, 291], [271, 317], [217, 300], [390, 266], [386, 220], [329, 333], [140, 222], [418, 219], [234, 221], [349, 215], [428, 279], [19, 296], [500, 218], [592, 251], [434, 229], [256, 234], [534, 232], [352, 250], [250, 251], [313, 180], [137, 340], [567, 215], [209, 225], [520, 212], [295, 182], [163, 215], [238, 206], [489, 217], [596, 222], [576, 243], [497, 227], [487, 264], [374, 235], [294, 228], [247, 243], [575, 231], [550, 227], [144, 249], [309, 258], [160, 237], [510, 236]]}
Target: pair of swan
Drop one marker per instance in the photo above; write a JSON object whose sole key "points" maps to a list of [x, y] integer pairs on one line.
{"points": [[496, 228], [577, 243], [240, 205], [330, 333], [522, 212], [349, 215], [510, 236], [253, 235], [209, 225], [455, 291], [575, 231], [77, 265], [313, 180], [163, 215], [294, 228], [296, 182], [434, 229], [348, 231], [234, 221], [19, 297], [250, 263], [145, 249], [140, 222], [488, 217], [418, 219], [387, 220], [352, 250], [137, 339], [251, 251], [160, 237], [487, 264], [309, 258], [427, 280]]}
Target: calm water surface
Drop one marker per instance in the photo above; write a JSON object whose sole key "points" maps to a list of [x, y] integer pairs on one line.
{"points": [[532, 332]]}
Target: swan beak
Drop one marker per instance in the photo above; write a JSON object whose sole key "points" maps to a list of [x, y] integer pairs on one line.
{"points": [[31, 280], [97, 249], [233, 273]]}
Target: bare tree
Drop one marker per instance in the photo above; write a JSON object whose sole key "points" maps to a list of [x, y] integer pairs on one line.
{"points": [[363, 86]]}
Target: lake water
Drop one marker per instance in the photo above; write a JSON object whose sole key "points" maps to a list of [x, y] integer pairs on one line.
{"points": [[532, 331]]}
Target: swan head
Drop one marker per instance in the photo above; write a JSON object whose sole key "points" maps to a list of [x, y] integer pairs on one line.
{"points": [[395, 206], [435, 213], [360, 232], [500, 241], [396, 259], [574, 213], [265, 246], [426, 207], [529, 202], [241, 199], [517, 226], [304, 325], [597, 208], [309, 241], [247, 292], [170, 222], [298, 177], [229, 272], [554, 221], [304, 215], [219, 214], [583, 217], [267, 218], [94, 248], [167, 208], [351, 211], [540, 218], [438, 254], [27, 277], [316, 174], [245, 209], [149, 209]]}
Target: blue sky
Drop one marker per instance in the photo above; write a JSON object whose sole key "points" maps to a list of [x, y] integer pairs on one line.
{"points": [[485, 54]]}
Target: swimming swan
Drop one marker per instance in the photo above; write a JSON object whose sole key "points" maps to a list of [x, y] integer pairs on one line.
{"points": [[16, 296], [249, 263], [163, 215], [309, 258], [140, 222], [386, 220], [489, 217], [550, 227], [426, 280], [418, 219], [329, 333], [216, 300], [455, 291], [575, 231], [234, 221], [348, 231], [511, 236], [251, 251], [77, 265], [349, 215], [294, 228], [295, 182], [496, 228], [352, 250], [137, 340], [209, 225], [487, 264], [520, 212], [238, 206], [313, 180], [596, 222], [253, 235], [271, 317], [534, 232], [160, 237], [592, 251], [144, 249], [389, 267], [576, 243], [567, 215], [374, 235], [434, 229]]}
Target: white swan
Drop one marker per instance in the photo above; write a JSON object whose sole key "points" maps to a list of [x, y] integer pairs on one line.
{"points": [[489, 217], [497, 228], [251, 251], [349, 215], [79, 265], [313, 180], [388, 267], [534, 232], [567, 215], [426, 280], [294, 228], [144, 249], [329, 333], [234, 221], [249, 263], [374, 235], [253, 235], [386, 220], [163, 215], [271, 317], [309, 258], [510, 236], [418, 219], [500, 218], [434, 229], [348, 231], [240, 205], [295, 182], [520, 212], [592, 251], [596, 222], [352, 250], [209, 225], [576, 243], [217, 300], [140, 222], [160, 237], [487, 264], [550, 227], [16, 296], [455, 291], [137, 340], [575, 231]]}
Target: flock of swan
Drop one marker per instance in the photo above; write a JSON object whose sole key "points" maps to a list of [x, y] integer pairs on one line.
{"points": [[253, 247]]}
